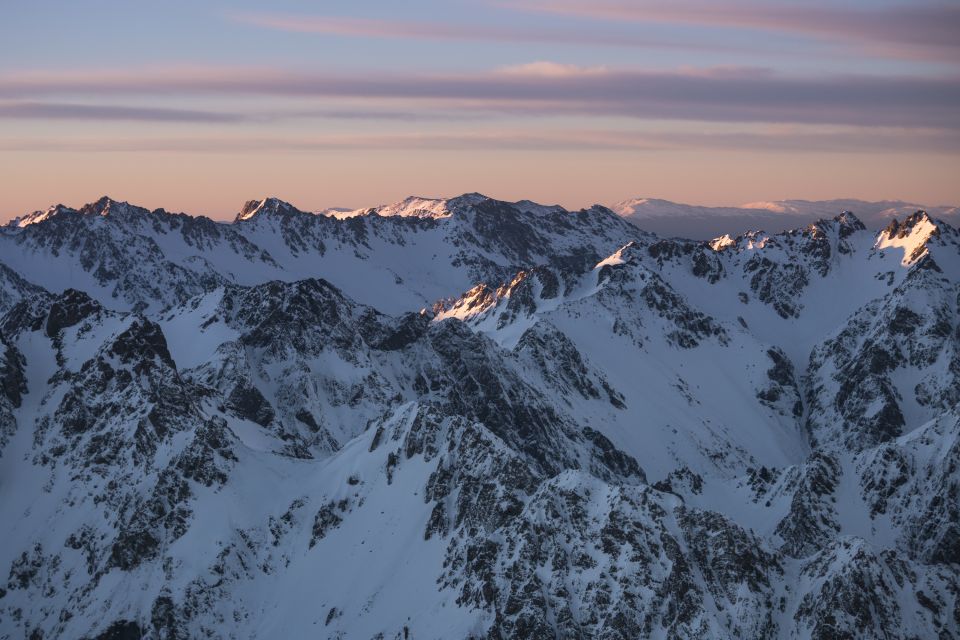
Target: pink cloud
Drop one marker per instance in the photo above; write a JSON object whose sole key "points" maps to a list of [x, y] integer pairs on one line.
{"points": [[550, 70]]}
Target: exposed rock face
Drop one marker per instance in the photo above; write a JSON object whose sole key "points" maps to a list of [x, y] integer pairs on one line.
{"points": [[811, 523], [912, 332], [14, 287], [608, 435], [13, 385]]}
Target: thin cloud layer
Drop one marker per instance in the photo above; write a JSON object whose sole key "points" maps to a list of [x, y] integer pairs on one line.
{"points": [[22, 110], [521, 140], [723, 95]]}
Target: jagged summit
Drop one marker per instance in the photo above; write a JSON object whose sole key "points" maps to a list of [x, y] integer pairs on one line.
{"points": [[845, 224], [903, 229], [98, 206], [845, 220], [912, 235], [265, 206], [849, 218], [107, 206]]}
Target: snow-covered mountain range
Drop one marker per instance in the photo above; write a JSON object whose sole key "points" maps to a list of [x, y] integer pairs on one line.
{"points": [[473, 418]]}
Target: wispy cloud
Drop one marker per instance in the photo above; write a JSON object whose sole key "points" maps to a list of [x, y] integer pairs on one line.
{"points": [[59, 111], [913, 30], [788, 140], [720, 95]]}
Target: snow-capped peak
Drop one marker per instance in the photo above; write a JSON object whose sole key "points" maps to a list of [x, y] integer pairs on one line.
{"points": [[411, 206], [418, 207], [437, 208], [911, 235]]}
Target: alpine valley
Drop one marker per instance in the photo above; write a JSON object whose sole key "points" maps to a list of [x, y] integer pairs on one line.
{"points": [[473, 418]]}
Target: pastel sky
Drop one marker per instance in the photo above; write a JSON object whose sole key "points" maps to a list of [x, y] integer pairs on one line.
{"points": [[199, 106]]}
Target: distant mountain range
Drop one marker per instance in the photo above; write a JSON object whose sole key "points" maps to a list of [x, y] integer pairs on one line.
{"points": [[702, 223], [453, 418]]}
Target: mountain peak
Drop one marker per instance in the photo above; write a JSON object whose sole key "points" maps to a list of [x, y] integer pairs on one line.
{"points": [[420, 207], [107, 206], [847, 218], [919, 218], [846, 224], [268, 205], [416, 206], [438, 208], [912, 235], [99, 207]]}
